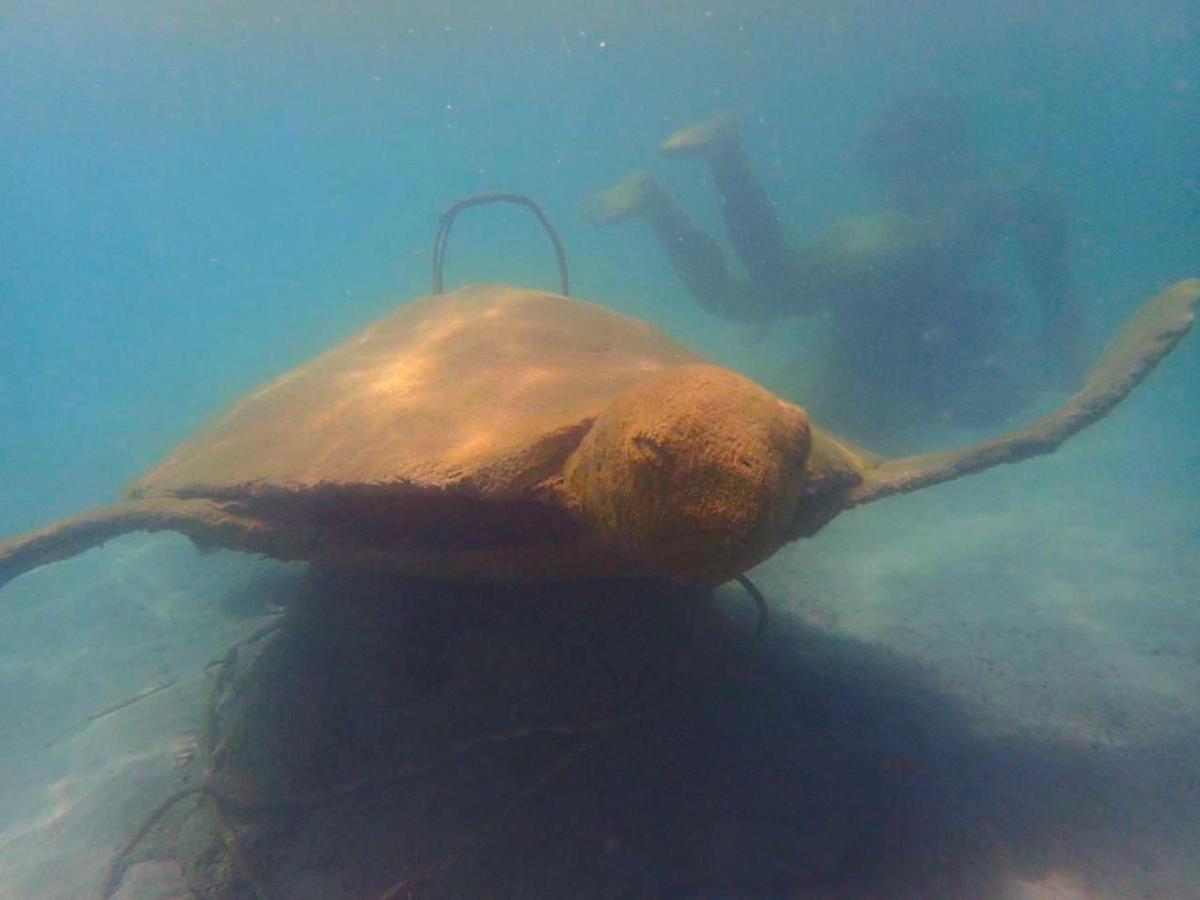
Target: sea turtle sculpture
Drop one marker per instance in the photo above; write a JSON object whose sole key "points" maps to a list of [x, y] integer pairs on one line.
{"points": [[503, 434]]}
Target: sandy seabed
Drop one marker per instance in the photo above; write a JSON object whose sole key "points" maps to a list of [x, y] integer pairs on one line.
{"points": [[991, 689]]}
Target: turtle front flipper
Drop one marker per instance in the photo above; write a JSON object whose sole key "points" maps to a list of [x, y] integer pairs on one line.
{"points": [[1149, 335], [205, 521]]}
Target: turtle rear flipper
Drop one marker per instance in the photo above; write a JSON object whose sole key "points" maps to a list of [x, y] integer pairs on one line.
{"points": [[205, 521], [1149, 335]]}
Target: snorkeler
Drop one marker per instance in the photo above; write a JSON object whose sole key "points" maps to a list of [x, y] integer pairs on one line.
{"points": [[914, 338]]}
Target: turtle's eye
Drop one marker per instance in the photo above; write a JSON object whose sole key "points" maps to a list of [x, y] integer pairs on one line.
{"points": [[652, 448]]}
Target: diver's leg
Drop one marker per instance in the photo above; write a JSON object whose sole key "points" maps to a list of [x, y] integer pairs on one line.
{"points": [[863, 393], [750, 218], [627, 199], [1040, 225], [981, 377], [696, 258]]}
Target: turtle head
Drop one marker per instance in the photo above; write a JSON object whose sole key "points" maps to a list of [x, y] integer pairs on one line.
{"points": [[696, 471]]}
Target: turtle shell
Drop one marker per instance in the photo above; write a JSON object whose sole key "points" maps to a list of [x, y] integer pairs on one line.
{"points": [[439, 430]]}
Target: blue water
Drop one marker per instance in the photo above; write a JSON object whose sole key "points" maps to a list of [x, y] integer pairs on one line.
{"points": [[197, 196], [195, 199]]}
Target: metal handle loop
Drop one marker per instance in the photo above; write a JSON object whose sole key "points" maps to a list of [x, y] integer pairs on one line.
{"points": [[447, 220]]}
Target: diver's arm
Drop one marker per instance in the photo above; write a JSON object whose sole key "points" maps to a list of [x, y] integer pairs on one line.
{"points": [[1038, 220]]}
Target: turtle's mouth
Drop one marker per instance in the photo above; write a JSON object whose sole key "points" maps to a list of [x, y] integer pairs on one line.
{"points": [[821, 500]]}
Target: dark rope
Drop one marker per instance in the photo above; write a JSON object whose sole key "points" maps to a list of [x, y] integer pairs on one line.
{"points": [[760, 629], [591, 736], [218, 672], [447, 220]]}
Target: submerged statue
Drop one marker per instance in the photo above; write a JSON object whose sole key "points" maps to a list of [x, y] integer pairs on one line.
{"points": [[498, 434], [915, 338]]}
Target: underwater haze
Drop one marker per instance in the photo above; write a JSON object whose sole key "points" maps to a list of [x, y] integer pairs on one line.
{"points": [[990, 689]]}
